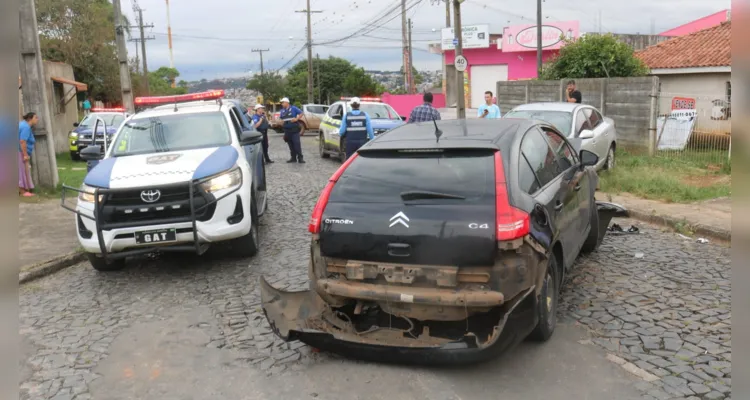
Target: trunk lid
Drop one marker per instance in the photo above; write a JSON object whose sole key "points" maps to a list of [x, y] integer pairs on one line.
{"points": [[433, 208]]}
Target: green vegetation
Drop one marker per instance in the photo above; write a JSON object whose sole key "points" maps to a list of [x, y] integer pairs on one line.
{"points": [[676, 180], [594, 56], [71, 173]]}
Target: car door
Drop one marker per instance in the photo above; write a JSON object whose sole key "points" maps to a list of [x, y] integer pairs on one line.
{"points": [[575, 178], [337, 113], [251, 152], [601, 131], [552, 190]]}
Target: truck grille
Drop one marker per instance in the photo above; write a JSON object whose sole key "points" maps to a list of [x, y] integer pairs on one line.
{"points": [[174, 202]]}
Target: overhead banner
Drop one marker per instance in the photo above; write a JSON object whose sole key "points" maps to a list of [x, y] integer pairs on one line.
{"points": [[474, 37], [524, 37]]}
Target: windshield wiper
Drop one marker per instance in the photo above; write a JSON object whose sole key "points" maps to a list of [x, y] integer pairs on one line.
{"points": [[423, 194]]}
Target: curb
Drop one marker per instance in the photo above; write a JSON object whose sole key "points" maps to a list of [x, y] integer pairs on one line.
{"points": [[676, 224], [49, 267]]}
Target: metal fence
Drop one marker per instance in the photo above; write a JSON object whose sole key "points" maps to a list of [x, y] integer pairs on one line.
{"points": [[694, 128]]}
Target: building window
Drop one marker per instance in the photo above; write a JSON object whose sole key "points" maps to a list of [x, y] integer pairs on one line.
{"points": [[59, 96]]}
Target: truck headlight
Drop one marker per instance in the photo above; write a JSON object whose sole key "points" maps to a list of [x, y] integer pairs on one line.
{"points": [[87, 194], [73, 135], [226, 180]]}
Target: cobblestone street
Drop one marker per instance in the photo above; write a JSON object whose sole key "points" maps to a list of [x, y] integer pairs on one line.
{"points": [[647, 316]]}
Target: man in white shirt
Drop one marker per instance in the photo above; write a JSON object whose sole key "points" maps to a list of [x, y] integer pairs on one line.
{"points": [[488, 110]]}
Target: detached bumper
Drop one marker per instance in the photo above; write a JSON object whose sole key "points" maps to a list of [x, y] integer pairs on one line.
{"points": [[306, 317], [607, 211]]}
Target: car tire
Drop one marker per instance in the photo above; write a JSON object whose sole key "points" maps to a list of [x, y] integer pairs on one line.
{"points": [[75, 156], [592, 240], [547, 305], [248, 245], [609, 164], [342, 150], [322, 147], [101, 265]]}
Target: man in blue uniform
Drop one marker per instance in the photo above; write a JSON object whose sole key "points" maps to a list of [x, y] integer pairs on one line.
{"points": [[260, 122], [291, 116], [356, 128]]}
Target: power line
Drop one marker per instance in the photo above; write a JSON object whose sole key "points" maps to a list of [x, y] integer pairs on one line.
{"points": [[371, 26]]}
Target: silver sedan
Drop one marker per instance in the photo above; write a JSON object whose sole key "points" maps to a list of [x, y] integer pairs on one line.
{"points": [[576, 121]]}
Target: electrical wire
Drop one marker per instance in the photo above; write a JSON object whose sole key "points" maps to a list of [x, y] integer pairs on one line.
{"points": [[371, 26]]}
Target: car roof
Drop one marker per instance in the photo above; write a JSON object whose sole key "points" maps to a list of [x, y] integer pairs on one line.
{"points": [[549, 106], [457, 133], [184, 108]]}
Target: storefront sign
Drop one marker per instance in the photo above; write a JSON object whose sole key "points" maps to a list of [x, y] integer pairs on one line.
{"points": [[524, 37], [474, 37], [683, 103]]}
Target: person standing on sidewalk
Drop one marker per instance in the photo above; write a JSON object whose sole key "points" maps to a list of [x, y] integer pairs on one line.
{"points": [[260, 122], [25, 150], [291, 115], [488, 109], [86, 106], [572, 95], [425, 112]]}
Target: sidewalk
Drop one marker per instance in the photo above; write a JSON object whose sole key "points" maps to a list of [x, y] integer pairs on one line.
{"points": [[708, 218], [47, 231], [450, 113]]}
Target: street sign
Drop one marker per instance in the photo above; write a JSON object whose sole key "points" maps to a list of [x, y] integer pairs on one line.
{"points": [[455, 41], [460, 63]]}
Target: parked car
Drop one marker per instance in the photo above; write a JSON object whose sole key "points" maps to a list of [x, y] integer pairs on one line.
{"points": [[313, 115], [579, 121], [444, 242]]}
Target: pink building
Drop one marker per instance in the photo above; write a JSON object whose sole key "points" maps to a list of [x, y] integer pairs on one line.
{"points": [[699, 24]]}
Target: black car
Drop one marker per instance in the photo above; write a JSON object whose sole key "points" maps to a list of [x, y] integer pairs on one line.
{"points": [[444, 242]]}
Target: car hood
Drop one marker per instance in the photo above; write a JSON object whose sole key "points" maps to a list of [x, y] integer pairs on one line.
{"points": [[87, 131], [161, 168], [385, 123]]}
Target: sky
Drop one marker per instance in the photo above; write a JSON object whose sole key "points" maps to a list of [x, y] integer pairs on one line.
{"points": [[215, 38]]}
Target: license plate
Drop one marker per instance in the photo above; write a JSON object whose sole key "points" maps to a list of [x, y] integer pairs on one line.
{"points": [[156, 236]]}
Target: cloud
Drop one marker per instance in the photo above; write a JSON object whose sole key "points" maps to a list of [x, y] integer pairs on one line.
{"points": [[215, 38]]}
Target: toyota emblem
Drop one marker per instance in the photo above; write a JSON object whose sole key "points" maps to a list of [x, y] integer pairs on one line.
{"points": [[150, 196]]}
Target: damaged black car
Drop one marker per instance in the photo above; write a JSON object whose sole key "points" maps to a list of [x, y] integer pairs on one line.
{"points": [[444, 242]]}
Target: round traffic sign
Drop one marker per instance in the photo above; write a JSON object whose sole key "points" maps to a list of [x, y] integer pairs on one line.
{"points": [[455, 41], [460, 63]]}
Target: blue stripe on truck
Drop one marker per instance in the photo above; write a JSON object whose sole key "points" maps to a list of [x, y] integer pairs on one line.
{"points": [[100, 175], [220, 160]]}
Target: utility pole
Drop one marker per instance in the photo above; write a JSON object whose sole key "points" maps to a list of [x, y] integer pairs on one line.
{"points": [[143, 47], [122, 58], [308, 11], [35, 97], [261, 58], [447, 13], [412, 89], [538, 38], [317, 67], [137, 59], [460, 101], [405, 44]]}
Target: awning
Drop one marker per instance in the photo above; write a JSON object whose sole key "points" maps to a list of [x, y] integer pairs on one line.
{"points": [[81, 87]]}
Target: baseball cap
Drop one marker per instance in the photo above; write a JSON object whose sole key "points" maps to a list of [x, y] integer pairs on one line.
{"points": [[257, 106], [354, 100], [285, 100]]}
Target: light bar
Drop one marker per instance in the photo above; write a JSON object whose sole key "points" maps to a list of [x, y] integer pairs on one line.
{"points": [[115, 109], [376, 99], [181, 98]]}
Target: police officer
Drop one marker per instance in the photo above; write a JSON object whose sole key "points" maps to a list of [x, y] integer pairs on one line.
{"points": [[260, 122], [291, 115], [356, 128]]}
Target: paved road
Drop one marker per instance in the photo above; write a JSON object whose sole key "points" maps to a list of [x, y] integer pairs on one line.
{"points": [[192, 328]]}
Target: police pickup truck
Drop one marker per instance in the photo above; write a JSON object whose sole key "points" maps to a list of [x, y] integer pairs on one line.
{"points": [[184, 173], [382, 116], [82, 134]]}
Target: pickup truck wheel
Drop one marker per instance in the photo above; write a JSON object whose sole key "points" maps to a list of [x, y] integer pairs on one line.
{"points": [[100, 265], [75, 156], [547, 307], [592, 240], [322, 146], [247, 246]]}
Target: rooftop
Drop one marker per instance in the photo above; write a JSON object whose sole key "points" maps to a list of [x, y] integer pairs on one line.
{"points": [[706, 48]]}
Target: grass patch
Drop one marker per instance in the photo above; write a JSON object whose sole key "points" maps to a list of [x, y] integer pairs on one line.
{"points": [[675, 180], [70, 173]]}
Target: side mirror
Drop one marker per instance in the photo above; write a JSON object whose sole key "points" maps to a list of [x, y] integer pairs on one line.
{"points": [[92, 153], [588, 158], [76, 124], [586, 134], [250, 137], [402, 118]]}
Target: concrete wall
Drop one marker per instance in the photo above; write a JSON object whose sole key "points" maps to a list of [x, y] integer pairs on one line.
{"points": [[63, 116], [710, 93], [630, 102]]}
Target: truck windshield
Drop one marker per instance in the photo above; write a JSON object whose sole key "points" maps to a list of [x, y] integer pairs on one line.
{"points": [[378, 111], [172, 133], [112, 120]]}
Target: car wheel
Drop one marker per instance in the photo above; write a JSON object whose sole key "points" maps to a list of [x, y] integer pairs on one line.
{"points": [[248, 245], [100, 264], [592, 240], [547, 306], [322, 147], [75, 156], [342, 150], [610, 163]]}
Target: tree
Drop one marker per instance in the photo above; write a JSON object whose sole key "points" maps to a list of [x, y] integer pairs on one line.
{"points": [[269, 84], [82, 33], [160, 82], [418, 78], [333, 72], [358, 83], [594, 56]]}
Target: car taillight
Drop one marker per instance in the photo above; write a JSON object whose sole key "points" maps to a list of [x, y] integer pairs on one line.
{"points": [[320, 206], [510, 222]]}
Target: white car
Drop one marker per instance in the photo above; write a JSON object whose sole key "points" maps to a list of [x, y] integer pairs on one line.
{"points": [[179, 176], [576, 121]]}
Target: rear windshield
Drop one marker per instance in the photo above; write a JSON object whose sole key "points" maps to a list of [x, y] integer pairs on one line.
{"points": [[562, 120], [317, 109], [376, 177]]}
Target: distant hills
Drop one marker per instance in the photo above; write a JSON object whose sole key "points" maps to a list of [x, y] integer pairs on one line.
{"points": [[222, 83]]}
